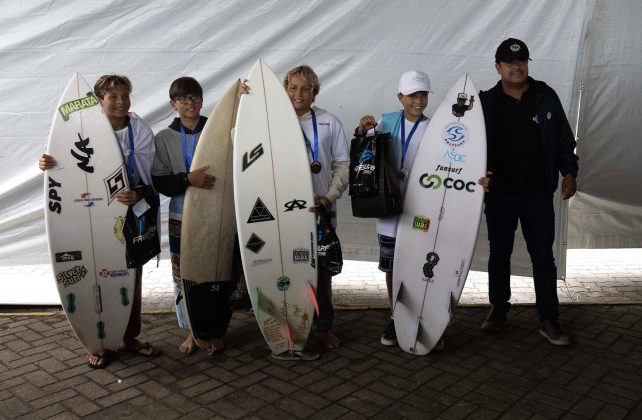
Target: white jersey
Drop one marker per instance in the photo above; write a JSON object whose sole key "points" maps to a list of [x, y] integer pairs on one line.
{"points": [[333, 148], [144, 148]]}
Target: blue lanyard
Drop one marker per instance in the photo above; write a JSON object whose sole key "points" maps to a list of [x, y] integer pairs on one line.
{"points": [[188, 154], [315, 152], [405, 142], [131, 159]]}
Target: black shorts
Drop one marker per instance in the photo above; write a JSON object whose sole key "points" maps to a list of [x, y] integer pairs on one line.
{"points": [[386, 253]]}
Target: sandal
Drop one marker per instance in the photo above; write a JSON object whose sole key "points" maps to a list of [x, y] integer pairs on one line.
{"points": [[100, 361], [216, 345], [140, 349]]}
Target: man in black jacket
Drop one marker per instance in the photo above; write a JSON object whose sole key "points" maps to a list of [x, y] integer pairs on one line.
{"points": [[530, 143]]}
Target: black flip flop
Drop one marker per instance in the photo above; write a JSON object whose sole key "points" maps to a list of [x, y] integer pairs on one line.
{"points": [[102, 360]]}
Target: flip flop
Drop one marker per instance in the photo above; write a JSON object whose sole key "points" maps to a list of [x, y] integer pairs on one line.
{"points": [[102, 361], [295, 356], [141, 349], [216, 345]]}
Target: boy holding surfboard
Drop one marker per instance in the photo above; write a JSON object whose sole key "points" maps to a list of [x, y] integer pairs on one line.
{"points": [[172, 175], [329, 162], [135, 139], [407, 128]]}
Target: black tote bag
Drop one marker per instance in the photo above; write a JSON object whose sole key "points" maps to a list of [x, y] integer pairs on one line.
{"points": [[374, 178]]}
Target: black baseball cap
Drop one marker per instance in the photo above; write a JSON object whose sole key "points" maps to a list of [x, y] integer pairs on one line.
{"points": [[511, 49]]}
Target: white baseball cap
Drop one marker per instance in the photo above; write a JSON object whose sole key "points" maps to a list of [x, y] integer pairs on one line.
{"points": [[414, 81]]}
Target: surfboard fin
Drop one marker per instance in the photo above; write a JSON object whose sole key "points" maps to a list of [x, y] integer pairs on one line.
{"points": [[313, 297], [288, 333], [413, 349], [452, 304], [398, 291]]}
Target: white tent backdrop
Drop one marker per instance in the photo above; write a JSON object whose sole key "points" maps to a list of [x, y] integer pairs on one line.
{"points": [[359, 48]]}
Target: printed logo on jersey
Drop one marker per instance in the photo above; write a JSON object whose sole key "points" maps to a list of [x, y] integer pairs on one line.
{"points": [[115, 183], [256, 153], [298, 204], [68, 256], [260, 213], [255, 243], [455, 134], [71, 276], [77, 105], [55, 200], [84, 154]]}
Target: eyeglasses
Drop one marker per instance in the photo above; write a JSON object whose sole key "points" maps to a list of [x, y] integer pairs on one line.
{"points": [[186, 99]]}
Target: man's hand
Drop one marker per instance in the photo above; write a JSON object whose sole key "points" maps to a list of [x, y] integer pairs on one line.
{"points": [[569, 186], [485, 181]]}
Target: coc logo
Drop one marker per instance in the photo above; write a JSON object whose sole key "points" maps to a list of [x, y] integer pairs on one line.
{"points": [[434, 181], [455, 134]]}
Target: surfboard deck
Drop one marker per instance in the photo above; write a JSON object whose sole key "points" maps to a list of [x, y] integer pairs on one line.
{"points": [[438, 227], [208, 228], [84, 220], [277, 232]]}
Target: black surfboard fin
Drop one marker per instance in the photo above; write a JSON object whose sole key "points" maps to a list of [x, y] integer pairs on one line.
{"points": [[398, 291]]}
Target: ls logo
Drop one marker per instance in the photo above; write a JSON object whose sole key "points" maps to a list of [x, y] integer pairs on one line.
{"points": [[256, 153]]}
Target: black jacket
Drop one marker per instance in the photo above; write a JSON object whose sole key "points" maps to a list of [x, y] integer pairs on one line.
{"points": [[555, 134]]}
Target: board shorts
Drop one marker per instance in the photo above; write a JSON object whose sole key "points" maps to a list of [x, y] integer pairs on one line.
{"points": [[386, 253]]}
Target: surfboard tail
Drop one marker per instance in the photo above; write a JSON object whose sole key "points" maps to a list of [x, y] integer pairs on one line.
{"points": [[313, 297]]}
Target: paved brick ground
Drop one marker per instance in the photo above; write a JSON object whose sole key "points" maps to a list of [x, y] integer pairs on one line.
{"points": [[514, 374]]}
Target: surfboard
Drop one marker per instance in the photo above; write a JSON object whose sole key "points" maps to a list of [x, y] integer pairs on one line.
{"points": [[277, 232], [441, 214], [84, 220], [209, 226]]}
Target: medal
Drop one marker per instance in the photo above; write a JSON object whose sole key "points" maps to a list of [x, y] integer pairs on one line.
{"points": [[403, 175], [405, 142], [314, 151]]}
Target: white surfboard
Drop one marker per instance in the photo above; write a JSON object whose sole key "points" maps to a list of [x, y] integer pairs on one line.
{"points": [[277, 233], [441, 213], [209, 227], [84, 220]]}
